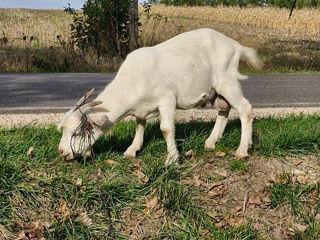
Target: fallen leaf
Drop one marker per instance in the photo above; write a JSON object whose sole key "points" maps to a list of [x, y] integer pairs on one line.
{"points": [[29, 152], [220, 154], [22, 236], [297, 172], [315, 193], [254, 200], [144, 178], [85, 219], [137, 163], [297, 162], [240, 222], [79, 182], [224, 201], [190, 154], [213, 193], [302, 179], [47, 224], [273, 177], [222, 172], [153, 203], [300, 227], [220, 224], [100, 174], [266, 200], [196, 181], [238, 209], [159, 213], [62, 211], [35, 229], [111, 162]]}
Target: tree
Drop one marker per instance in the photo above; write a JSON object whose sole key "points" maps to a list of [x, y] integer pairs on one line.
{"points": [[133, 25], [110, 27]]}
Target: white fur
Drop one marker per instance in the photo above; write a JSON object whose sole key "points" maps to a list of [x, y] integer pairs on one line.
{"points": [[184, 72]]}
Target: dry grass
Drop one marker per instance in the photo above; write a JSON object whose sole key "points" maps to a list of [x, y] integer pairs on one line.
{"points": [[291, 47], [284, 45], [303, 21], [43, 25]]}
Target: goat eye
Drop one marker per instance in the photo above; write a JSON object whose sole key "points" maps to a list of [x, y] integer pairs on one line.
{"points": [[89, 126]]}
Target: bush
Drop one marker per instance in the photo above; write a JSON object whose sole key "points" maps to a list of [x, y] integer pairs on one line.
{"points": [[102, 26]]}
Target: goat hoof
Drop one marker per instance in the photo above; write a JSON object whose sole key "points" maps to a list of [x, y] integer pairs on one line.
{"points": [[171, 159], [209, 146], [241, 155], [129, 154]]}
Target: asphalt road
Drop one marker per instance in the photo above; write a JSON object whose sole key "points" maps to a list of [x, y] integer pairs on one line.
{"points": [[57, 92]]}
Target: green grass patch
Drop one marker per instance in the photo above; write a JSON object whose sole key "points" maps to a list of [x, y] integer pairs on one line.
{"points": [[32, 187]]}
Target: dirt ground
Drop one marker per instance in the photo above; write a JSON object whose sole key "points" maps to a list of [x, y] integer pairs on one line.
{"points": [[237, 198]]}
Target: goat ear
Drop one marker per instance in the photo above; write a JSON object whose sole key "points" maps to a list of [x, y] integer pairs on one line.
{"points": [[95, 103], [98, 119]]}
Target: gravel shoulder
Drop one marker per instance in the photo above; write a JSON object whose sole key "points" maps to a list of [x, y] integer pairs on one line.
{"points": [[8, 121]]}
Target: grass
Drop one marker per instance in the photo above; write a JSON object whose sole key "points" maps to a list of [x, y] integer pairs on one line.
{"points": [[43, 196], [284, 45], [304, 203]]}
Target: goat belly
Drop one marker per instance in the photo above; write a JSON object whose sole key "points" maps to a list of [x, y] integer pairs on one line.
{"points": [[195, 101]]}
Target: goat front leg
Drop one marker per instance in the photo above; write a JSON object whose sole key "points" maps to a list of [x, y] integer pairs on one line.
{"points": [[137, 141], [167, 114]]}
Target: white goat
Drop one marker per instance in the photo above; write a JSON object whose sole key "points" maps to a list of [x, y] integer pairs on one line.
{"points": [[184, 72]]}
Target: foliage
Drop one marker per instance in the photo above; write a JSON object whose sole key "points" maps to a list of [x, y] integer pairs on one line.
{"points": [[102, 26]]}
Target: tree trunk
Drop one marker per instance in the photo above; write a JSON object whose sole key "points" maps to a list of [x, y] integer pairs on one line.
{"points": [[134, 25]]}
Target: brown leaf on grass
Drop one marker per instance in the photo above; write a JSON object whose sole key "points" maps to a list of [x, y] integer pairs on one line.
{"points": [[62, 211], [29, 152], [111, 162], [144, 178], [302, 179], [300, 227], [222, 172], [22, 236], [196, 181], [84, 218], [297, 162], [35, 229], [220, 224], [237, 222], [254, 200], [79, 182], [213, 193], [315, 193], [137, 163], [220, 154], [190, 153], [153, 203], [238, 209]]}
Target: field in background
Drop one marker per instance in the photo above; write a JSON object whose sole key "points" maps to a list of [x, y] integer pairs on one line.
{"points": [[284, 45], [274, 194]]}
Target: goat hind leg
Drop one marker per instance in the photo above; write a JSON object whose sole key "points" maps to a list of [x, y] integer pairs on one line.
{"points": [[218, 129], [233, 94]]}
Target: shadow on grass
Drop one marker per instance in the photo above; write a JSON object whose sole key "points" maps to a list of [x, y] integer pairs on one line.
{"points": [[189, 135]]}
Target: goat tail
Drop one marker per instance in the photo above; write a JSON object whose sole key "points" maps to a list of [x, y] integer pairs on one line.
{"points": [[250, 56]]}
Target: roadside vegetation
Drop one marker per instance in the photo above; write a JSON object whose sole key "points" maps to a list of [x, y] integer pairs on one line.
{"points": [[43, 43], [274, 194]]}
